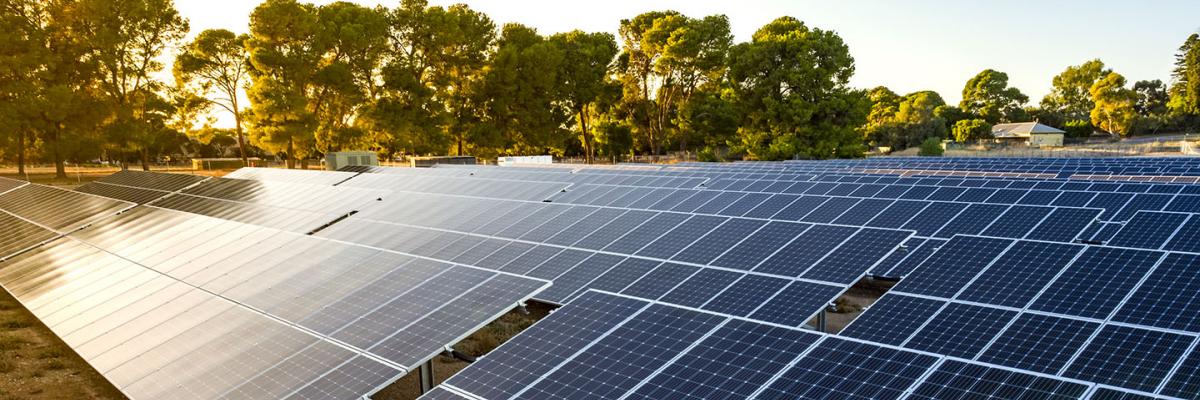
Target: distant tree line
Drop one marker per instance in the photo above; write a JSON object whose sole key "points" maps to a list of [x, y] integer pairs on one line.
{"points": [[78, 82]]}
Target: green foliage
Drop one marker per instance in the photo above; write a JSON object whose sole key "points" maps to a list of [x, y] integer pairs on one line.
{"points": [[791, 82], [903, 122], [1114, 110], [931, 147], [582, 78], [1079, 128], [970, 130], [988, 97], [1185, 91], [1152, 98], [1070, 95], [211, 70], [284, 53]]}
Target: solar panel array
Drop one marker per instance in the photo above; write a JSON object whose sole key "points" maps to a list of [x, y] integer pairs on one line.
{"points": [[171, 304], [1019, 278]]}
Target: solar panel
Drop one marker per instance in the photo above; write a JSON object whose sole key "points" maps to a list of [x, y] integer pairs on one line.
{"points": [[58, 209], [960, 330], [130, 194], [165, 182], [863, 371], [1116, 351], [955, 379], [1168, 298], [945, 272], [1095, 284], [1148, 230], [1040, 343], [10, 184], [893, 318], [1020, 274]]}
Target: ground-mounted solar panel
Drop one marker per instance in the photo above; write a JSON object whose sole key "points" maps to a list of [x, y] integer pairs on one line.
{"points": [[902, 261], [125, 193], [893, 318], [386, 305], [153, 336], [58, 209], [1149, 230], [7, 184], [1064, 224], [867, 371], [1097, 282], [1020, 274], [507, 189], [1040, 343], [161, 181], [960, 330], [955, 379], [280, 218], [1168, 298], [945, 272], [1129, 357], [17, 235], [292, 175]]}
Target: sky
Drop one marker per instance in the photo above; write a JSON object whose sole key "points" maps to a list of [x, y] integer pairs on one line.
{"points": [[908, 45]]}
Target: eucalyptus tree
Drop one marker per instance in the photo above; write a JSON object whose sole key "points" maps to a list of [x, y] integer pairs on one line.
{"points": [[215, 67]]}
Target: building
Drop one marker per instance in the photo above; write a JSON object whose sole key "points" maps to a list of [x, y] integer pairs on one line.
{"points": [[1031, 133]]}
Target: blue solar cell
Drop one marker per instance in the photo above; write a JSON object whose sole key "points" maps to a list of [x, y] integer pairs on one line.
{"points": [[646, 233], [972, 221], [530, 259], [525, 358], [614, 230], [843, 189], [955, 379], [831, 210], [745, 295], [1185, 382], [760, 245], [1147, 202], [771, 206], [961, 330], [672, 199], [898, 214], [561, 262], [1039, 343], [577, 277], [864, 371], [1008, 196], [932, 218], [1184, 203], [1103, 393], [660, 281], [679, 238], [1073, 199], [946, 272], [1168, 298], [720, 239], [1064, 224], [803, 252], [1017, 222], [863, 212], [892, 319], [1096, 282], [820, 188], [918, 192], [1111, 203], [720, 202], [795, 304], [1039, 197], [695, 201], [555, 225], [867, 190], [976, 195], [856, 256], [892, 192], [615, 363], [585, 226], [621, 275], [1148, 230], [744, 204], [799, 208], [732, 363], [1129, 357], [946, 193], [1187, 238], [701, 287], [1020, 273]]}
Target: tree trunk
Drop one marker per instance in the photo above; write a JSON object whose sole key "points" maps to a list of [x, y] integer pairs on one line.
{"points": [[460, 146], [291, 159], [237, 123], [60, 165], [588, 152], [145, 156], [21, 153]]}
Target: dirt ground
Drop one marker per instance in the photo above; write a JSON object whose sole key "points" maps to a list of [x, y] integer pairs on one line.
{"points": [[853, 302]]}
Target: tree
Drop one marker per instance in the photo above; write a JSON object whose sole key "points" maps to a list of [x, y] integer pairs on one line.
{"points": [[215, 67], [520, 93], [792, 82], [23, 51], [284, 54], [931, 147], [988, 97], [129, 39], [1152, 98], [1185, 86], [970, 130], [1114, 110], [902, 122], [666, 57], [582, 77], [1070, 94], [352, 41]]}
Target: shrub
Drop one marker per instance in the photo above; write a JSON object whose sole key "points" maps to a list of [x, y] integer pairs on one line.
{"points": [[1078, 128], [971, 130], [932, 147]]}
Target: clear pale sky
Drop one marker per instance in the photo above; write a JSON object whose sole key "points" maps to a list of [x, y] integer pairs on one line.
{"points": [[905, 45]]}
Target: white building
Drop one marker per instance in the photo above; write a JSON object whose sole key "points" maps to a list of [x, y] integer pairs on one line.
{"points": [[1031, 133]]}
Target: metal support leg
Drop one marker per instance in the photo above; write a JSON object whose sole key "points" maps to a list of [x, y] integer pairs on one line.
{"points": [[427, 377], [821, 321]]}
